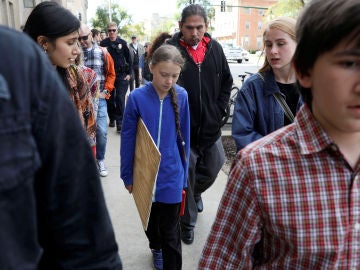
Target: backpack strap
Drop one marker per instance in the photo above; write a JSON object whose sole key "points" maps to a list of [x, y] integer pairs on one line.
{"points": [[280, 99]]}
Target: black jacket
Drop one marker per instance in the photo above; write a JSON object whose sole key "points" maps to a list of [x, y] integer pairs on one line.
{"points": [[120, 53], [209, 87], [52, 209]]}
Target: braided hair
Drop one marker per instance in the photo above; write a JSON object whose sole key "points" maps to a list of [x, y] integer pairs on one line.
{"points": [[171, 53]]}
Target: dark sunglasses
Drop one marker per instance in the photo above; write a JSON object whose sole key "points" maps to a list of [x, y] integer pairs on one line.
{"points": [[111, 30], [83, 38]]}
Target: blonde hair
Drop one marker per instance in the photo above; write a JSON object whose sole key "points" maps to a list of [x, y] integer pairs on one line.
{"points": [[111, 24], [283, 24]]}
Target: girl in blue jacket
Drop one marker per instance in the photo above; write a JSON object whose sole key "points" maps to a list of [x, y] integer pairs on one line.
{"points": [[163, 106], [257, 111]]}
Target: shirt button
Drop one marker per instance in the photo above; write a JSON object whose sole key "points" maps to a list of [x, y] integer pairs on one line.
{"points": [[357, 227]]}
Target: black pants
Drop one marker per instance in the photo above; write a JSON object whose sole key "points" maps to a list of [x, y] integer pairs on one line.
{"points": [[204, 167], [135, 78], [164, 233], [116, 102]]}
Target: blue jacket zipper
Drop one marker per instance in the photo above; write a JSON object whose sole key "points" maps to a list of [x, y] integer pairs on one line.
{"points": [[158, 140]]}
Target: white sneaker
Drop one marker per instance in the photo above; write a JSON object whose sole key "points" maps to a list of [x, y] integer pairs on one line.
{"points": [[102, 169]]}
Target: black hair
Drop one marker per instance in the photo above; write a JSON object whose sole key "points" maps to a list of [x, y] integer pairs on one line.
{"points": [[320, 28], [51, 20], [192, 10], [158, 41], [94, 32]]}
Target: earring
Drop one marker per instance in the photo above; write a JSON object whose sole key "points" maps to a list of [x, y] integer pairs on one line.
{"points": [[45, 50]]}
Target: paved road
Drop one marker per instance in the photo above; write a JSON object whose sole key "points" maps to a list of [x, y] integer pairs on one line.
{"points": [[133, 245]]}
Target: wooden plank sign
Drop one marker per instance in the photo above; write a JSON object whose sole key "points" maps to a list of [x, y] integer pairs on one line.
{"points": [[146, 166]]}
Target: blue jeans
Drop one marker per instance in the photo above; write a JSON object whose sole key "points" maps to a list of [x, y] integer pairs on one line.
{"points": [[101, 129]]}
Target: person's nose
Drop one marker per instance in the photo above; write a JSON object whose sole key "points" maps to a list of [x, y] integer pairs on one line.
{"points": [[194, 31], [274, 49], [76, 50], [169, 80]]}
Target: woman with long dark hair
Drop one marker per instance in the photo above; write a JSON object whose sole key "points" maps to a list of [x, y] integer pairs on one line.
{"points": [[55, 29]]}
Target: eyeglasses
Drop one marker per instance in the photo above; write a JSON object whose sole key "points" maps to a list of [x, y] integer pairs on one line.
{"points": [[111, 30], [84, 38]]}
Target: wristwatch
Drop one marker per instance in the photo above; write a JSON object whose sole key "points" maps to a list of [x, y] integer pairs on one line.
{"points": [[106, 92]]}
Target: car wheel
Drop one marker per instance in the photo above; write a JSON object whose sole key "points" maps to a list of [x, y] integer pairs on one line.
{"points": [[239, 61]]}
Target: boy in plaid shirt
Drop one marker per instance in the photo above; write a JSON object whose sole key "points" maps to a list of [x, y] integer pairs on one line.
{"points": [[292, 200]]}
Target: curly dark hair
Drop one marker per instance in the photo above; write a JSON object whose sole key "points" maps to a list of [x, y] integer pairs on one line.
{"points": [[158, 41]]}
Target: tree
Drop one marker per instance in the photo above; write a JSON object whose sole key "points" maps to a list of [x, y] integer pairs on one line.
{"points": [[290, 8], [166, 25], [118, 15], [207, 6]]}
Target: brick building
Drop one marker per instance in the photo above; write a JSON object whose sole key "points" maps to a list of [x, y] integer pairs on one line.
{"points": [[242, 23]]}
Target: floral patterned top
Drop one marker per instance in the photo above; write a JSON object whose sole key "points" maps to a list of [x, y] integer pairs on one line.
{"points": [[84, 93]]}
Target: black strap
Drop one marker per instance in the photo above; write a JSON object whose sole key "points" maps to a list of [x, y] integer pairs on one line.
{"points": [[280, 99]]}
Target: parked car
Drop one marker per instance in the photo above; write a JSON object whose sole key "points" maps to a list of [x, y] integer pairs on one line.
{"points": [[237, 54]]}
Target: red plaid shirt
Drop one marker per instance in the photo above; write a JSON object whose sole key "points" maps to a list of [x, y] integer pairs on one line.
{"points": [[291, 202]]}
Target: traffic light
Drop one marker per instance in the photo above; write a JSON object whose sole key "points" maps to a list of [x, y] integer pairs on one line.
{"points": [[222, 6]]}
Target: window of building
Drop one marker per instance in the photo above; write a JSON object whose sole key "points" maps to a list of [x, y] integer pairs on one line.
{"points": [[260, 25], [247, 10], [29, 3], [12, 14], [259, 42], [261, 12], [247, 25], [246, 41]]}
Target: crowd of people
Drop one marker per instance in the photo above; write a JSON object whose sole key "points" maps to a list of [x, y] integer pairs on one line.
{"points": [[291, 200]]}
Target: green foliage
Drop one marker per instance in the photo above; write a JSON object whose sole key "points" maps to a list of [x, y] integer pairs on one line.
{"points": [[289, 8], [118, 15], [166, 26]]}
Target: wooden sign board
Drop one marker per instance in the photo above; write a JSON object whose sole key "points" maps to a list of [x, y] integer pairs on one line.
{"points": [[146, 166]]}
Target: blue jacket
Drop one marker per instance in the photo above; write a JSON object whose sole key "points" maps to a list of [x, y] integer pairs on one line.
{"points": [[256, 111], [159, 119], [52, 208]]}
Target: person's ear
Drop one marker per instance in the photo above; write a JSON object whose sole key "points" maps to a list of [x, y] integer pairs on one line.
{"points": [[43, 42], [151, 68], [304, 78], [180, 24]]}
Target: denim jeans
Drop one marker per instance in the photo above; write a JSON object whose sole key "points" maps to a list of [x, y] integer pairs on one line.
{"points": [[101, 129]]}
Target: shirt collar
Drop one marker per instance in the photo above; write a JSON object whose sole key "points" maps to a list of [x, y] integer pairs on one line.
{"points": [[312, 137]]}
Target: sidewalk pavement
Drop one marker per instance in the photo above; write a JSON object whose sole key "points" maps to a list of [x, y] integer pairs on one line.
{"points": [[133, 245]]}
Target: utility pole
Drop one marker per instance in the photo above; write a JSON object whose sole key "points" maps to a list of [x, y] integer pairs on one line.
{"points": [[109, 10]]}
